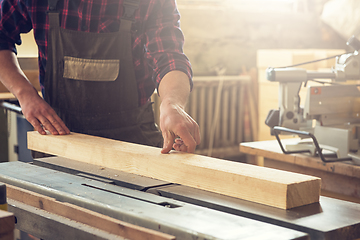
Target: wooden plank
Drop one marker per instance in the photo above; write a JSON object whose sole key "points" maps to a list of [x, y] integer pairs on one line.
{"points": [[7, 225], [267, 186], [41, 224], [85, 216]]}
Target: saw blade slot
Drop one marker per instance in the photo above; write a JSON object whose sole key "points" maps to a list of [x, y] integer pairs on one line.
{"points": [[164, 204]]}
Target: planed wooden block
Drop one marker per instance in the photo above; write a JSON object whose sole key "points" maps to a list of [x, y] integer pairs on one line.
{"points": [[258, 184]]}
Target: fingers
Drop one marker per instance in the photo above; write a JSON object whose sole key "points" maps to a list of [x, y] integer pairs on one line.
{"points": [[168, 142], [190, 138], [40, 114], [179, 145], [37, 126], [186, 142], [42, 117], [56, 125], [51, 123], [189, 142], [175, 122]]}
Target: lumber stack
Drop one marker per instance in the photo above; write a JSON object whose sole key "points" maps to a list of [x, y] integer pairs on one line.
{"points": [[271, 187]]}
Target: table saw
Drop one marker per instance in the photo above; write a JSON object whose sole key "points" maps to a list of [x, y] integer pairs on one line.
{"points": [[180, 211]]}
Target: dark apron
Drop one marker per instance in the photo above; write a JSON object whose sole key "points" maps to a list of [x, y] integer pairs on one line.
{"points": [[90, 82]]}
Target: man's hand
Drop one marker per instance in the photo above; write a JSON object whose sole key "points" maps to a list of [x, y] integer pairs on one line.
{"points": [[41, 116], [179, 130], [176, 125], [34, 108]]}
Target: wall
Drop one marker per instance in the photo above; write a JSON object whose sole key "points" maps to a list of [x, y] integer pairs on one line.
{"points": [[229, 33]]}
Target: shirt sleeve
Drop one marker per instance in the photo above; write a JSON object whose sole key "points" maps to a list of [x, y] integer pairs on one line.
{"points": [[165, 41], [14, 20]]}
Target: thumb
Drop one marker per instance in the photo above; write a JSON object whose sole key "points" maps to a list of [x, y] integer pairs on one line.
{"points": [[168, 142]]}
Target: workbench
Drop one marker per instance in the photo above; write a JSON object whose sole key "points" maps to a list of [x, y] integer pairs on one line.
{"points": [[339, 178], [180, 211]]}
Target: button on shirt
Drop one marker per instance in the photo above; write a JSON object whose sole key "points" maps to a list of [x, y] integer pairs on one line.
{"points": [[157, 39]]}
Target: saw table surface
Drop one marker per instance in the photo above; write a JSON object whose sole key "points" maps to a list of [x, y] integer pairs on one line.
{"points": [[342, 178], [181, 219], [329, 219]]}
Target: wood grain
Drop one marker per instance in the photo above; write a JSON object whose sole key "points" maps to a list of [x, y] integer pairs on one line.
{"points": [[85, 216], [262, 185]]}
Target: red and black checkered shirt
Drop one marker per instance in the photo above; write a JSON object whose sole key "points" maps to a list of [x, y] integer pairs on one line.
{"points": [[157, 39]]}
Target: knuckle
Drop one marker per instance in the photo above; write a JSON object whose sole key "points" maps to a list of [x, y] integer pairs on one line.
{"points": [[33, 121]]}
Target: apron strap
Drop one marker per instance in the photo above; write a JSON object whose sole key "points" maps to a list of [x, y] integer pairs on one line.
{"points": [[54, 19], [128, 17], [130, 7], [54, 23], [52, 5]]}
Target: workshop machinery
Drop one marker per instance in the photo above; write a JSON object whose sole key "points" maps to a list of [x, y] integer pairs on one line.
{"points": [[328, 120]]}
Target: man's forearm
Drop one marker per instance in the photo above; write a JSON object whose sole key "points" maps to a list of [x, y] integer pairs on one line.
{"points": [[13, 77], [175, 87]]}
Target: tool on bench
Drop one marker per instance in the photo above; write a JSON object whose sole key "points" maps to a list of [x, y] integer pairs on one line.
{"points": [[329, 120]]}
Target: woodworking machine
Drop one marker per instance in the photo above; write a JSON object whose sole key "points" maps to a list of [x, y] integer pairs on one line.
{"points": [[329, 119], [184, 212]]}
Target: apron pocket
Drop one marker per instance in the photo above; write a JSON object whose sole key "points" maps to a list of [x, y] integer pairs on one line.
{"points": [[91, 69]]}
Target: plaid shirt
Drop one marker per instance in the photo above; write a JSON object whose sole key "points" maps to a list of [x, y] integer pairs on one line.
{"points": [[157, 39]]}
